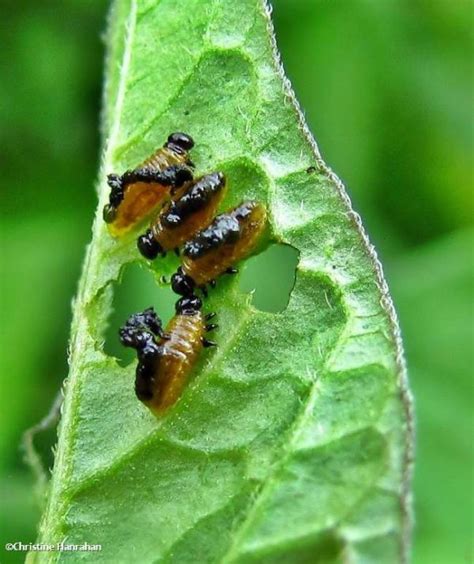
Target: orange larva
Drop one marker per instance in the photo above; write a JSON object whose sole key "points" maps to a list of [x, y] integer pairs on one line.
{"points": [[138, 192], [181, 218], [166, 358], [216, 249]]}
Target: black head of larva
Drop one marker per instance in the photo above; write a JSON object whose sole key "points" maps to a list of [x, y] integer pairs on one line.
{"points": [[182, 283], [148, 245], [181, 140], [188, 305]]}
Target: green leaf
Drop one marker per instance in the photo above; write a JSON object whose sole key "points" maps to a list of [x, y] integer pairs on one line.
{"points": [[292, 441]]}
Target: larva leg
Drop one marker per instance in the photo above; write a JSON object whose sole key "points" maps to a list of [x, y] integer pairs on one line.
{"points": [[182, 284], [149, 246]]}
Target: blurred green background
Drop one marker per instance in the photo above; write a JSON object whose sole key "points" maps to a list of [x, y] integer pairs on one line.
{"points": [[386, 87]]}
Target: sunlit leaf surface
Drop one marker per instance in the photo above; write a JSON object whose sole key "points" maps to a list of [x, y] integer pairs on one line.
{"points": [[291, 443]]}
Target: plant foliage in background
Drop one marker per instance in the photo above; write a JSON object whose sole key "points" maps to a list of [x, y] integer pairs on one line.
{"points": [[292, 441]]}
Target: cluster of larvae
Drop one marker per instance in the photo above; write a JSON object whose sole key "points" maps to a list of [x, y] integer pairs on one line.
{"points": [[209, 245]]}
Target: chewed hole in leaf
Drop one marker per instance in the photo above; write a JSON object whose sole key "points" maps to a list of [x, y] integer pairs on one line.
{"points": [[271, 277], [136, 291]]}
